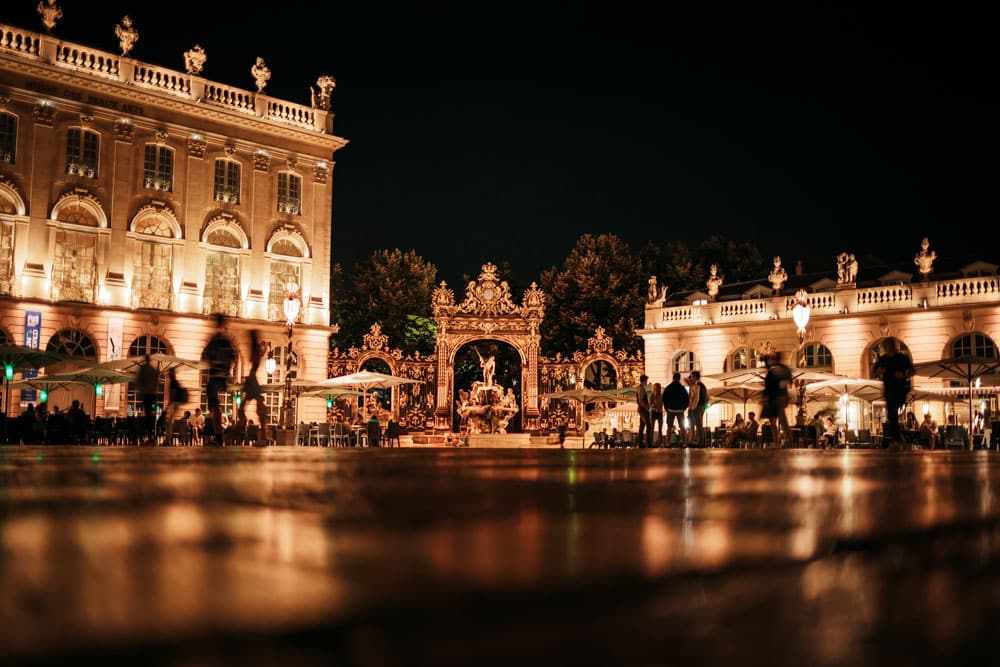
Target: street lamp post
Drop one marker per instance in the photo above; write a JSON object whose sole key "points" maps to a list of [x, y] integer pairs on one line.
{"points": [[291, 307], [800, 313]]}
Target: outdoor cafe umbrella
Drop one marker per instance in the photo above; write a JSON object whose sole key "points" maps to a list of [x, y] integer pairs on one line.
{"points": [[964, 369], [18, 358], [94, 376], [585, 395], [161, 362], [737, 392], [861, 388], [756, 375], [367, 380]]}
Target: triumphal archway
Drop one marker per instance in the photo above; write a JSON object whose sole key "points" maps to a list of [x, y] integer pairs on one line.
{"points": [[487, 313]]}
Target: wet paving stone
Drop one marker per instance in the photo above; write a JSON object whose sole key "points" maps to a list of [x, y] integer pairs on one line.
{"points": [[424, 556]]}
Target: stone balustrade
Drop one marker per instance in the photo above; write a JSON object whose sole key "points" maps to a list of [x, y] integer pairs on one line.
{"points": [[94, 62]]}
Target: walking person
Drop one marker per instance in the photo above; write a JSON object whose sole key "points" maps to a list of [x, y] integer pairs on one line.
{"points": [[895, 370], [642, 403], [656, 413], [220, 355], [697, 403], [251, 388], [147, 382], [675, 400], [177, 395], [776, 383]]}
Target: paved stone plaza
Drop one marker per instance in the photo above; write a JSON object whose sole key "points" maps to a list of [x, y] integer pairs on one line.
{"points": [[437, 556]]}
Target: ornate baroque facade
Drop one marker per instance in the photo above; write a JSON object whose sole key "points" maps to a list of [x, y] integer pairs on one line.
{"points": [[137, 200]]}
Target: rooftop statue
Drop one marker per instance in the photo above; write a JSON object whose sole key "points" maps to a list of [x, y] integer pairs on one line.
{"points": [[260, 73], [321, 100], [51, 12], [925, 258], [194, 60], [656, 294], [847, 269], [127, 35], [778, 275], [714, 281]]}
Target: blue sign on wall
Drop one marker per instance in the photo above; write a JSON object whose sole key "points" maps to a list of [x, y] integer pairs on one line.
{"points": [[32, 339]]}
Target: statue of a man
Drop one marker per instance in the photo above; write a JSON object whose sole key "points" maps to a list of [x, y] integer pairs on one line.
{"points": [[842, 268], [489, 368], [260, 73], [851, 269]]}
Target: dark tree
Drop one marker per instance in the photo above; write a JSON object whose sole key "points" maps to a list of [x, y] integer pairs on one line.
{"points": [[600, 284], [392, 288]]}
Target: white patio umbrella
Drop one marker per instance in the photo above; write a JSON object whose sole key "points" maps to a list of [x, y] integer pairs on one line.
{"points": [[964, 369], [367, 380], [94, 376], [737, 392], [756, 375], [162, 363], [585, 395], [862, 388]]}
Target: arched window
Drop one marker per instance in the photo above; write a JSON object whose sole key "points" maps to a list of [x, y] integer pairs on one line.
{"points": [[818, 356], [158, 168], [288, 251], [227, 181], [153, 231], [685, 362], [224, 239], [974, 345], [600, 375], [145, 345], [73, 343], [742, 358], [878, 349], [83, 148], [6, 255], [74, 261], [8, 137]]}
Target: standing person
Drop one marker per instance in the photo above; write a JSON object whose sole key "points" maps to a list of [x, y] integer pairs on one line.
{"points": [[251, 388], [776, 383], [220, 354], [147, 381], [697, 402], [675, 400], [642, 403], [895, 370], [656, 413]]}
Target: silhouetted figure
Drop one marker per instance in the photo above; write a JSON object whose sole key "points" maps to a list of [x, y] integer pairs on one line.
{"points": [[895, 370]]}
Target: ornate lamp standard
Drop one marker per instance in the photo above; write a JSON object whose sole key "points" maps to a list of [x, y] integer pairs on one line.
{"points": [[800, 313], [291, 307]]}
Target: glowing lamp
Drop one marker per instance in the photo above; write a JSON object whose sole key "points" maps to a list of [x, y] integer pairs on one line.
{"points": [[9, 371], [329, 403], [99, 390], [291, 304], [800, 312], [43, 396], [270, 364]]}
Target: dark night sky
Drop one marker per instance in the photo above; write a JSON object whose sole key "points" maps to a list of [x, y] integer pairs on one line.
{"points": [[498, 132]]}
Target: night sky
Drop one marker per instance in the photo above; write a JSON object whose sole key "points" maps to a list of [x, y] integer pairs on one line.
{"points": [[497, 132]]}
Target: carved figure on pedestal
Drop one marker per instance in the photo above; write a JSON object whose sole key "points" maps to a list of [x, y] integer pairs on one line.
{"points": [[194, 60], [656, 294], [489, 368], [842, 268], [51, 12], [127, 35], [778, 275], [261, 74], [714, 281], [925, 258]]}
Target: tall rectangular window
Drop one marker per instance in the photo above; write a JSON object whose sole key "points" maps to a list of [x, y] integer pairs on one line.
{"points": [[74, 266], [8, 137], [6, 257], [289, 193], [227, 181], [158, 168], [82, 149]]}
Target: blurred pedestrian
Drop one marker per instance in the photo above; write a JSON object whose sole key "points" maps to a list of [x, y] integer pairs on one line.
{"points": [[895, 370], [147, 383], [251, 387], [776, 383], [220, 355], [642, 407]]}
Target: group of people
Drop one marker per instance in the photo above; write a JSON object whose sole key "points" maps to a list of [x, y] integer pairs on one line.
{"points": [[678, 398]]}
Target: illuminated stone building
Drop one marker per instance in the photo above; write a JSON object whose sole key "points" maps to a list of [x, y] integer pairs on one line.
{"points": [[137, 200], [935, 312]]}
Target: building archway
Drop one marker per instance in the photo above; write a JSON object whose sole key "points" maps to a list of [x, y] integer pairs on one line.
{"points": [[487, 313]]}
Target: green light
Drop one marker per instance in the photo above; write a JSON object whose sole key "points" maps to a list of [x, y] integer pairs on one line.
{"points": [[95, 458], [43, 396], [100, 390], [238, 399], [9, 370], [329, 403]]}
